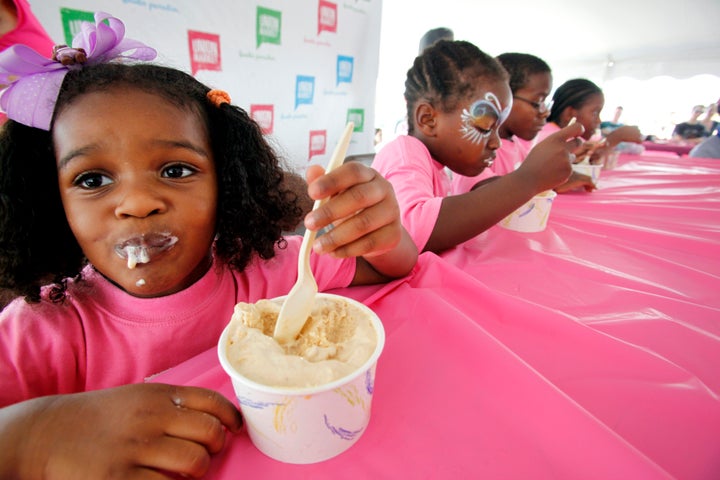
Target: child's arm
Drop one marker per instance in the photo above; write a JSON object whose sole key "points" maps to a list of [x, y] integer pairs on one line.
{"points": [[366, 222], [121, 432], [462, 217], [626, 133]]}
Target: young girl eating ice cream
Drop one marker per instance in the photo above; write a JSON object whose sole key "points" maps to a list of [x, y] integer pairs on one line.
{"points": [[137, 207]]}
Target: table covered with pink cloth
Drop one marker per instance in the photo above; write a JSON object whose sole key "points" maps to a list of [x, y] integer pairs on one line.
{"points": [[678, 148], [588, 350]]}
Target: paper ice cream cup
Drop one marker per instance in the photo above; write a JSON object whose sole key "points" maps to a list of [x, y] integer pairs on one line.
{"points": [[309, 424], [533, 215], [592, 171]]}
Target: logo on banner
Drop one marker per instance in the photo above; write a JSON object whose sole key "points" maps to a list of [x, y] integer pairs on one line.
{"points": [[304, 90], [71, 21], [268, 26], [318, 139], [344, 69], [204, 51], [264, 115], [357, 116], [327, 16]]}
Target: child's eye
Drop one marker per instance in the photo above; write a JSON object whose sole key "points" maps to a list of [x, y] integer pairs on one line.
{"points": [[92, 180], [178, 171]]}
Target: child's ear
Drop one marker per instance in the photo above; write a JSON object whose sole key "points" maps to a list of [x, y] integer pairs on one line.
{"points": [[425, 119], [567, 115]]}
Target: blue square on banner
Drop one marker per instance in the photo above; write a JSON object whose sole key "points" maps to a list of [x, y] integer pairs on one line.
{"points": [[304, 90]]}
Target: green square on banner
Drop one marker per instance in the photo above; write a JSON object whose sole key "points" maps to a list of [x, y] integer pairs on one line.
{"points": [[357, 116], [71, 20], [268, 27]]}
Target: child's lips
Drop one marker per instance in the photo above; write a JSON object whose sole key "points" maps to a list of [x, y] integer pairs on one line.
{"points": [[142, 248]]}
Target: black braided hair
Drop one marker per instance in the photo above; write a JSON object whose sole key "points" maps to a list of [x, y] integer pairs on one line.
{"points": [[37, 247], [573, 93], [446, 73], [521, 66]]}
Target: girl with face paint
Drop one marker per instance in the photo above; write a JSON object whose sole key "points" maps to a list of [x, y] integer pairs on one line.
{"points": [[457, 99]]}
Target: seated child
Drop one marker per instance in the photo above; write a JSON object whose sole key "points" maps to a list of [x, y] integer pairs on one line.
{"points": [[583, 100], [457, 97], [137, 207]]}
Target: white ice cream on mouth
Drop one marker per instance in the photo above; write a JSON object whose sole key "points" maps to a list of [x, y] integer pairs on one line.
{"points": [[142, 248], [136, 255]]}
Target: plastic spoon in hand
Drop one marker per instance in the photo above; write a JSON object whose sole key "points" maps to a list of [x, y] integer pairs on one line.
{"points": [[298, 304]]}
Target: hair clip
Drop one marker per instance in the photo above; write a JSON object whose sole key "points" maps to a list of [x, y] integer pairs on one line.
{"points": [[32, 81], [68, 55], [218, 97]]}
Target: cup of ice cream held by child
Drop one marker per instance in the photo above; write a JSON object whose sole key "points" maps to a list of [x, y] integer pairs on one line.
{"points": [[589, 169], [308, 400], [533, 215]]}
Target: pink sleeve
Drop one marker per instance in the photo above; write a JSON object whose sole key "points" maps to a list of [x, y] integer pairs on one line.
{"points": [[407, 165], [39, 342], [28, 31]]}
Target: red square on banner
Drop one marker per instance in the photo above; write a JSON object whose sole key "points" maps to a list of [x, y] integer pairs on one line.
{"points": [[327, 16], [264, 115], [317, 140], [204, 51]]}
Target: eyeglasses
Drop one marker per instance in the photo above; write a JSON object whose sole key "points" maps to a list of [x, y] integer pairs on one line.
{"points": [[541, 107]]}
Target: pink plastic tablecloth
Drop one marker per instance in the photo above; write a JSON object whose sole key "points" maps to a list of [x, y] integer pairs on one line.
{"points": [[588, 350], [672, 147]]}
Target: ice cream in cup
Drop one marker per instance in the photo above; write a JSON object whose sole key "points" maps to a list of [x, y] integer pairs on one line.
{"points": [[591, 170], [531, 216], [308, 400]]}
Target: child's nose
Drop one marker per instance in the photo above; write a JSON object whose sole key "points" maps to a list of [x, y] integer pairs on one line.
{"points": [[494, 141], [139, 200]]}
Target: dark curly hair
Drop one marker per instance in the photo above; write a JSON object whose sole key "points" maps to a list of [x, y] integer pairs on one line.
{"points": [[446, 73], [37, 247]]}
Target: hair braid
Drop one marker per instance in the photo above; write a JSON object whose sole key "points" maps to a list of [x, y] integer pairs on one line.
{"points": [[447, 73]]}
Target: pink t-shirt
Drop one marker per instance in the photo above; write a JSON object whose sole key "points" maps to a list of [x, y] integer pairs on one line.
{"points": [[420, 184], [461, 184], [511, 152], [103, 337], [546, 131], [28, 31]]}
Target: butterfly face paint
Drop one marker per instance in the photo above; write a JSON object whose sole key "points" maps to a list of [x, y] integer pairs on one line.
{"points": [[482, 117]]}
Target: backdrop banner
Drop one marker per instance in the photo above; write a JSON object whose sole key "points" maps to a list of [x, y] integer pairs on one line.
{"points": [[301, 68]]}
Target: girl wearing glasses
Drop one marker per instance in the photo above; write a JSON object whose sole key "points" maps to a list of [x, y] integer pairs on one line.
{"points": [[457, 98]]}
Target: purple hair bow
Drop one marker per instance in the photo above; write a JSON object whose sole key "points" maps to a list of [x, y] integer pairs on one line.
{"points": [[32, 82]]}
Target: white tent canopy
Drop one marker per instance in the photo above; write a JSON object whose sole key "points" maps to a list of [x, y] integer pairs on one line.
{"points": [[602, 41]]}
